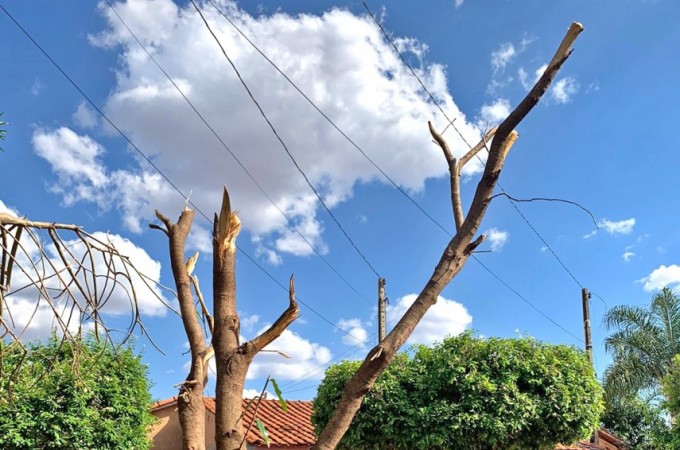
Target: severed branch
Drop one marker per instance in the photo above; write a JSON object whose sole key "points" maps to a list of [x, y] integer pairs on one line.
{"points": [[284, 320]]}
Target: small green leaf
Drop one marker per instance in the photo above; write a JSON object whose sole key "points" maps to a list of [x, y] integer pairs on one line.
{"points": [[279, 395], [263, 431]]}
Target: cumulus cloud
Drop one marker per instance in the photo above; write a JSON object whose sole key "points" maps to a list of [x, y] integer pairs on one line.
{"points": [[662, 276], [357, 334], [620, 227], [497, 238], [503, 56], [446, 317], [356, 78], [627, 255], [615, 228], [305, 357], [85, 117], [564, 89], [495, 112]]}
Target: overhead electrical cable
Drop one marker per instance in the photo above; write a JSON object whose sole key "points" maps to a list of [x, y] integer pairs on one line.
{"points": [[156, 168]]}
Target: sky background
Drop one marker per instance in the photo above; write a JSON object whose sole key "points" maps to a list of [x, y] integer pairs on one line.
{"points": [[603, 136]]}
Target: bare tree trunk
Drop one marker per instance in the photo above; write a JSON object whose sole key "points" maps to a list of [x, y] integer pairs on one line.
{"points": [[190, 398], [455, 255]]}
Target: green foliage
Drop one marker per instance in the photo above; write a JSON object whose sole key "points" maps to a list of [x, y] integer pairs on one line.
{"points": [[671, 389], [643, 345], [65, 395], [639, 423], [469, 393]]}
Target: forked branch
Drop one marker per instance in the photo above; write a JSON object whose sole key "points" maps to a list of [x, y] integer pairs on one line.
{"points": [[452, 260]]}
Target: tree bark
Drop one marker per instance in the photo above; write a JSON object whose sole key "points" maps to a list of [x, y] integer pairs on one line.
{"points": [[452, 260], [191, 408], [233, 358]]}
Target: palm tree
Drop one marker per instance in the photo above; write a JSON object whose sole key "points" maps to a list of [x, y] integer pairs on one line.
{"points": [[643, 345]]}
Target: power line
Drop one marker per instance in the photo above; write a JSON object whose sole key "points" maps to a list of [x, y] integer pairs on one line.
{"points": [[238, 161], [160, 172], [500, 280], [328, 119], [283, 144], [452, 124]]}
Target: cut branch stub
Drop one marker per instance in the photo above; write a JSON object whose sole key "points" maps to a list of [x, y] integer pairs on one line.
{"points": [[278, 327], [228, 225]]}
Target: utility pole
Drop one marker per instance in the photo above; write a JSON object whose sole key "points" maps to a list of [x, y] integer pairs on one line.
{"points": [[382, 303], [585, 298]]}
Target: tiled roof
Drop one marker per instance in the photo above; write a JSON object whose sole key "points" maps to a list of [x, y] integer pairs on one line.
{"points": [[284, 428]]}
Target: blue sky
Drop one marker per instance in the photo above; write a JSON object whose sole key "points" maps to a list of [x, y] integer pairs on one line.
{"points": [[602, 137]]}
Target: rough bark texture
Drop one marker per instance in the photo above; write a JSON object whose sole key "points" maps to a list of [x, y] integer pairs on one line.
{"points": [[190, 398], [454, 257], [232, 358]]}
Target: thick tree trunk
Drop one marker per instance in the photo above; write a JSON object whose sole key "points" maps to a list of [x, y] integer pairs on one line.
{"points": [[233, 358], [190, 404]]}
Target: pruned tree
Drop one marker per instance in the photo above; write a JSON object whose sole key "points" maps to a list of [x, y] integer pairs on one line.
{"points": [[456, 253], [233, 357], [67, 276]]}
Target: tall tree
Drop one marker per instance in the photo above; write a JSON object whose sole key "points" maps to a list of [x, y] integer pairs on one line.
{"points": [[81, 394], [642, 344], [233, 357]]}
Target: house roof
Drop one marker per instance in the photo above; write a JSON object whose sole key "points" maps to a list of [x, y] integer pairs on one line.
{"points": [[290, 428], [605, 438]]}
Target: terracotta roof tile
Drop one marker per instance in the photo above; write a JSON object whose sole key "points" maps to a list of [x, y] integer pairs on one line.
{"points": [[284, 428]]}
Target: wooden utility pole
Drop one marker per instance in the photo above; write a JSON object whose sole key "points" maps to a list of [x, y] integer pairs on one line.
{"points": [[382, 303], [585, 298]]}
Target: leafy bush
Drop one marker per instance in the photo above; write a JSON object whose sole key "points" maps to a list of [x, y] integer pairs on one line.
{"points": [[469, 393], [73, 395]]}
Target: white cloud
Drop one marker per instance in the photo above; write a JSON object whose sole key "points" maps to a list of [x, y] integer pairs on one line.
{"points": [[252, 393], [200, 239], [564, 89], [354, 77], [620, 227], [615, 228], [28, 309], [627, 256], [458, 3], [446, 317], [503, 56], [37, 86], [662, 276], [357, 334], [248, 322], [305, 356], [497, 238], [84, 116], [73, 158], [495, 112]]}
